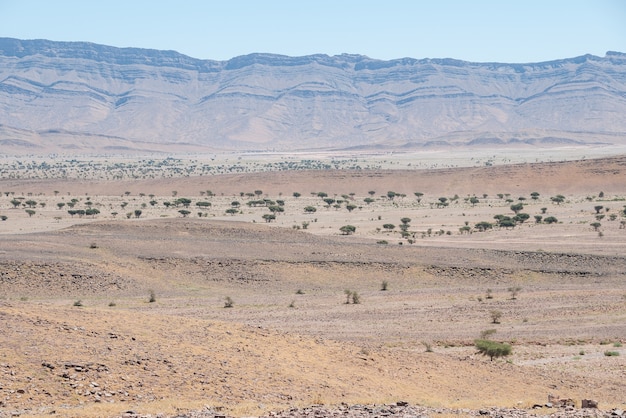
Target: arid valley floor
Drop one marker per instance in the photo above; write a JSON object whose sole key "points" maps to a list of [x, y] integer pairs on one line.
{"points": [[125, 309]]}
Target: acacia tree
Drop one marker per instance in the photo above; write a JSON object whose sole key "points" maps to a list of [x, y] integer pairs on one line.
{"points": [[483, 226], [389, 227], [347, 229], [517, 207], [558, 199]]}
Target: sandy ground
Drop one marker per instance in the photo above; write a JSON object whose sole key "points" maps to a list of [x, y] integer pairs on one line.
{"points": [[290, 339]]}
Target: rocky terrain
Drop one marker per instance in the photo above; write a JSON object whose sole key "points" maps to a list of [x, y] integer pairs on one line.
{"points": [[86, 98], [228, 315]]}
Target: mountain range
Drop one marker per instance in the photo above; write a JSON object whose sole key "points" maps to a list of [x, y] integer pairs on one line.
{"points": [[85, 97]]}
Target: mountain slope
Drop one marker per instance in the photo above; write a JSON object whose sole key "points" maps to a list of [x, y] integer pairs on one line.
{"points": [[86, 96]]}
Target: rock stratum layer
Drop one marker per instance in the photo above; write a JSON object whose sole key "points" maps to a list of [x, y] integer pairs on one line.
{"points": [[75, 96]]}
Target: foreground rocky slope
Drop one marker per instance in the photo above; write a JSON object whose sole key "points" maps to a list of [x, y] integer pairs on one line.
{"points": [[75, 97], [113, 316]]}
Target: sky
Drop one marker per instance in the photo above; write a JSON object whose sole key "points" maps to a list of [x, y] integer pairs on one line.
{"points": [[512, 31]]}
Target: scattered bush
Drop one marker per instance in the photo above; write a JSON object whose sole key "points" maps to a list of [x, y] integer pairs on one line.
{"points": [[78, 303], [514, 290], [152, 298], [495, 316], [384, 285], [611, 353], [487, 333], [492, 349], [228, 302]]}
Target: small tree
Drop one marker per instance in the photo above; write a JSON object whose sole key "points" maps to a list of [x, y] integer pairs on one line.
{"points": [[389, 227], [348, 294], [483, 226], [495, 316], [356, 299], [517, 207], [514, 290], [558, 199], [184, 212], [594, 225], [347, 229]]}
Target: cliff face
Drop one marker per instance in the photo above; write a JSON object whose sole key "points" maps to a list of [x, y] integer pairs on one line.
{"points": [[82, 95]]}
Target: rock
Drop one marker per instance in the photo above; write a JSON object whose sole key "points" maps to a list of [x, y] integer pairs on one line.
{"points": [[589, 403], [48, 365]]}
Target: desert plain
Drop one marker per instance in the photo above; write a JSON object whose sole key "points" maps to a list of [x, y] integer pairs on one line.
{"points": [[245, 304]]}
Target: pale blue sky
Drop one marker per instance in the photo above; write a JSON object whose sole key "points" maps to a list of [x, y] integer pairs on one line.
{"points": [[473, 30]]}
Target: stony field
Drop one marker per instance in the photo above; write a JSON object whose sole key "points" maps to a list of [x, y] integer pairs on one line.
{"points": [[126, 308]]}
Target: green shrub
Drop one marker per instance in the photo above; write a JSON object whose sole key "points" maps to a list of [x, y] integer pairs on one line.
{"points": [[492, 349], [611, 353]]}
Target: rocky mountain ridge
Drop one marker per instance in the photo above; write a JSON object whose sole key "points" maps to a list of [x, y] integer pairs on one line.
{"points": [[76, 96]]}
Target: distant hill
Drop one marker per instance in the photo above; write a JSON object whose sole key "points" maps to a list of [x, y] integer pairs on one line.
{"points": [[75, 96]]}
